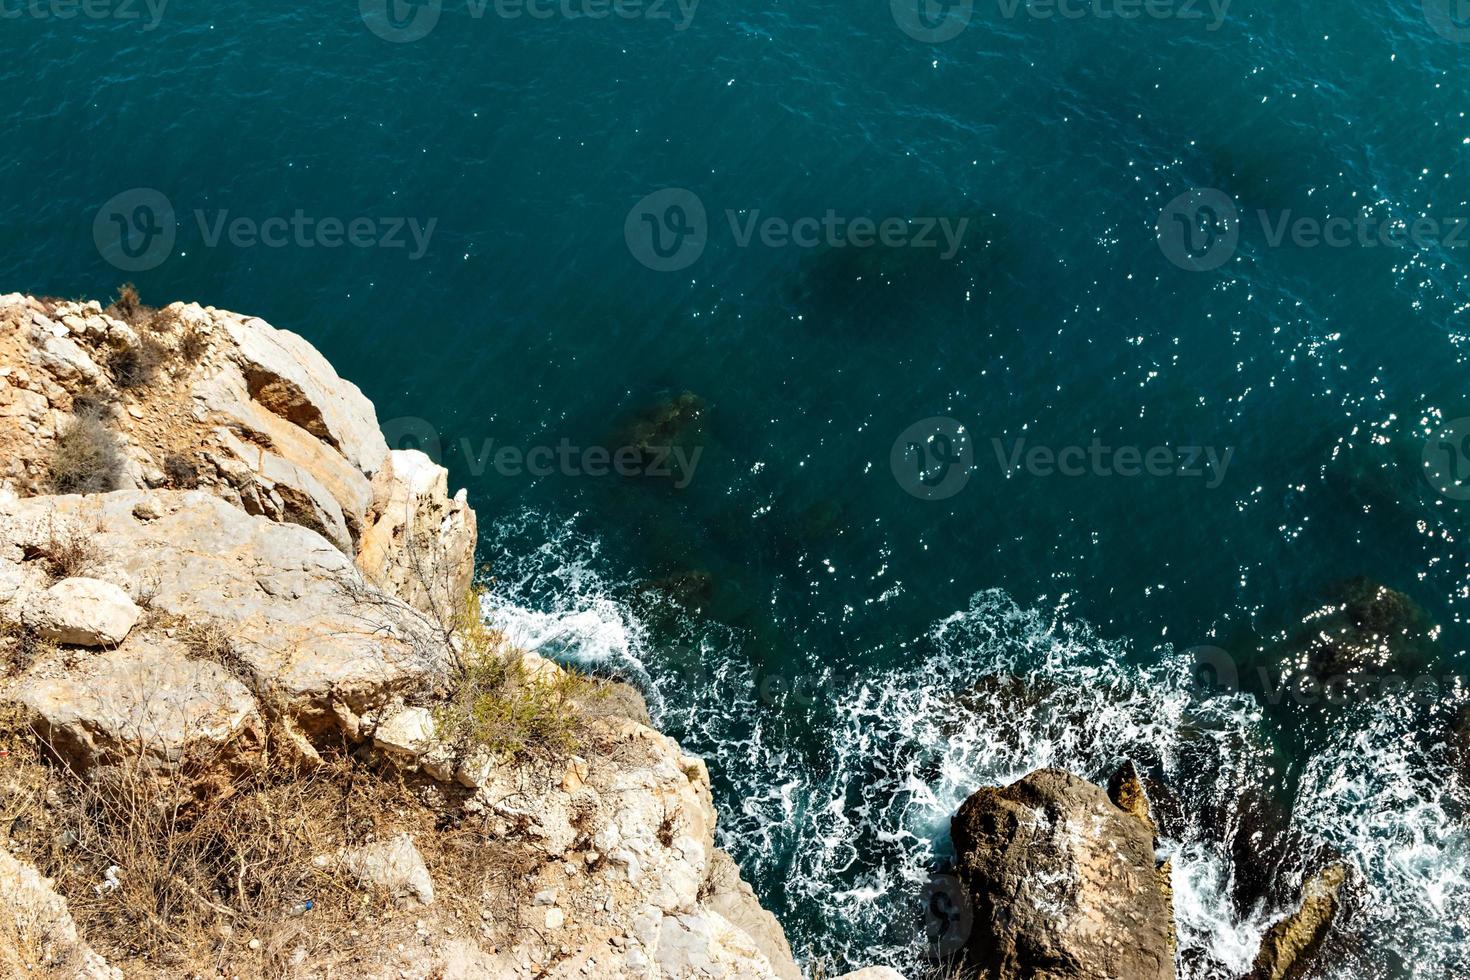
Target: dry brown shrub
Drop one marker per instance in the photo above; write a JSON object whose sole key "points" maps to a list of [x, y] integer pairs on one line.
{"points": [[85, 458], [68, 551]]}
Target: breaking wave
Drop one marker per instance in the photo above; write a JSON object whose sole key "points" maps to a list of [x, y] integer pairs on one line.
{"points": [[836, 782]]}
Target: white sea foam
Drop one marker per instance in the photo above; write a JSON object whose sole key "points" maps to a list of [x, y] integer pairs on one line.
{"points": [[838, 806]]}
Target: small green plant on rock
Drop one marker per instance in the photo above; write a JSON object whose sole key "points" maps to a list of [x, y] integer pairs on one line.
{"points": [[496, 704]]}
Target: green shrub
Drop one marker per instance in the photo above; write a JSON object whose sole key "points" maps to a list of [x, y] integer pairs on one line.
{"points": [[496, 705], [85, 458]]}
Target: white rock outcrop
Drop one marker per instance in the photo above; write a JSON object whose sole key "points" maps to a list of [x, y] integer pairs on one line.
{"points": [[394, 866], [83, 612]]}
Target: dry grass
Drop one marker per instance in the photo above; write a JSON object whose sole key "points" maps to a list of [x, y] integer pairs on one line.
{"points": [[182, 474], [85, 458], [20, 646], [128, 306], [176, 875], [193, 344], [68, 552], [137, 366]]}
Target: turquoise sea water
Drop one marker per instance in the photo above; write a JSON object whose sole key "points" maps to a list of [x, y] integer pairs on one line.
{"points": [[837, 612]]}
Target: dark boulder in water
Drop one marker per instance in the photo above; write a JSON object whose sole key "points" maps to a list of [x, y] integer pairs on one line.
{"points": [[1063, 882], [1368, 628]]}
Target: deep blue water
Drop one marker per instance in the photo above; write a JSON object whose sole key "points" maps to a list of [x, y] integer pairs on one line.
{"points": [[522, 145]]}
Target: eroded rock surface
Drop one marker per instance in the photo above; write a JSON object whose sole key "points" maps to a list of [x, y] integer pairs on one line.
{"points": [[1064, 883]]}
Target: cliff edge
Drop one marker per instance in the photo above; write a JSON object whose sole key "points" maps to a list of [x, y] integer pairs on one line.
{"points": [[252, 721]]}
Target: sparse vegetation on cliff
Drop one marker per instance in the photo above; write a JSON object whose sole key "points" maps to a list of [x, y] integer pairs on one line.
{"points": [[85, 458], [497, 705]]}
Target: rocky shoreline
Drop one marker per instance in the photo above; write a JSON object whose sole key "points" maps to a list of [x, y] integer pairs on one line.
{"points": [[254, 724]]}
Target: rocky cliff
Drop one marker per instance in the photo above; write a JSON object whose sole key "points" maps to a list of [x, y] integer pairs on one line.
{"points": [[251, 721]]}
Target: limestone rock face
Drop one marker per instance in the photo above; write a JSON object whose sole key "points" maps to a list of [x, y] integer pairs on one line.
{"points": [[148, 698], [83, 612], [268, 581], [37, 934], [734, 900], [420, 542], [1064, 883], [304, 627], [873, 973], [288, 377]]}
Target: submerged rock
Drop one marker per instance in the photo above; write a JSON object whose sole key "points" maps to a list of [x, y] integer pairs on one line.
{"points": [[1290, 947], [1064, 883]]}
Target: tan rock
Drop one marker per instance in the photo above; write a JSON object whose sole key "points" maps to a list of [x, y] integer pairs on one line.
{"points": [[37, 934], [730, 896], [291, 379], [419, 544], [148, 699], [300, 619], [83, 612], [873, 973], [395, 866], [1068, 880], [1290, 946]]}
